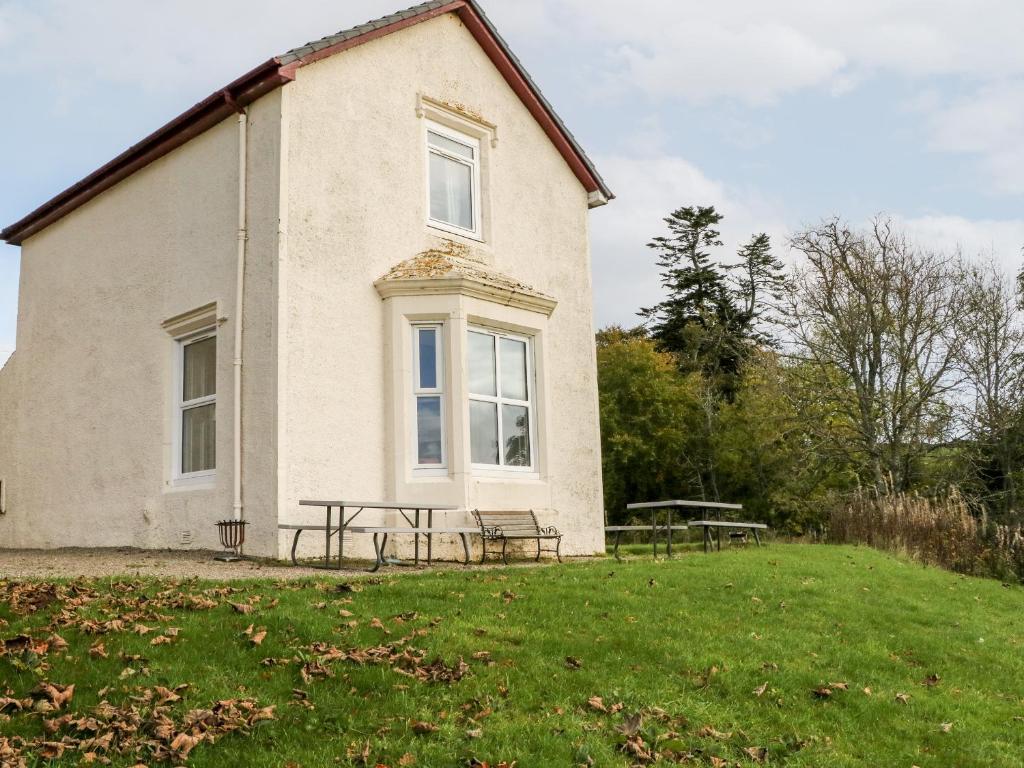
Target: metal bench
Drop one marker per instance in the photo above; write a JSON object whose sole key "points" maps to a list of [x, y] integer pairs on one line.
{"points": [[508, 525], [732, 527]]}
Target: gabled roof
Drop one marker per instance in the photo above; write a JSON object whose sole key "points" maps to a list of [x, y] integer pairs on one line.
{"points": [[279, 70]]}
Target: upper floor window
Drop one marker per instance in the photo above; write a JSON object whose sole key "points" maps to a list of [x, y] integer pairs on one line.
{"points": [[500, 400], [454, 180], [428, 394], [197, 405]]}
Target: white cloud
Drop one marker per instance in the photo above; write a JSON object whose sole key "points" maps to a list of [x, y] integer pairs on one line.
{"points": [[1000, 239]]}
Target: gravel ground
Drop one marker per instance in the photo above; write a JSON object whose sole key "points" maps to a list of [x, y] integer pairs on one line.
{"points": [[53, 563]]}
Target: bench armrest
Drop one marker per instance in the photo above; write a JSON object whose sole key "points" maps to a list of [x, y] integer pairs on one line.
{"points": [[549, 530], [492, 532]]}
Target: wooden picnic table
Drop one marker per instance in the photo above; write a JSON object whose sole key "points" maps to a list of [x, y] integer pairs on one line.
{"points": [[667, 505], [718, 525], [331, 529]]}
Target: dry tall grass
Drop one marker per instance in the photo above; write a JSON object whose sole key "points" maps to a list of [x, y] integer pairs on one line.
{"points": [[939, 531]]}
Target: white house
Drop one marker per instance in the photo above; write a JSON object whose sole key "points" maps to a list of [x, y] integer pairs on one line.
{"points": [[360, 270]]}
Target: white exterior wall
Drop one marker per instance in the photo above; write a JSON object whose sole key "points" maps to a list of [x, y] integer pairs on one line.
{"points": [[93, 404], [356, 206]]}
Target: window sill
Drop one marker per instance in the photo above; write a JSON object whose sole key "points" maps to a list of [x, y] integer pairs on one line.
{"points": [[451, 229], [505, 474], [197, 483]]}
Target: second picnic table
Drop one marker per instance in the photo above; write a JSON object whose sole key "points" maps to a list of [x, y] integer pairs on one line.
{"points": [[402, 507], [668, 505]]}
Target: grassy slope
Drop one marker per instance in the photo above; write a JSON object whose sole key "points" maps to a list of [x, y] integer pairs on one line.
{"points": [[822, 615]]}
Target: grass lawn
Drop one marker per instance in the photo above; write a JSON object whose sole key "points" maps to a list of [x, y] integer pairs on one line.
{"points": [[713, 660]]}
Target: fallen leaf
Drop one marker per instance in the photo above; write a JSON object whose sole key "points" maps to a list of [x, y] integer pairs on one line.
{"points": [[931, 681], [903, 698], [98, 650], [757, 754], [759, 691], [596, 702], [946, 727], [422, 727], [573, 663], [243, 608]]}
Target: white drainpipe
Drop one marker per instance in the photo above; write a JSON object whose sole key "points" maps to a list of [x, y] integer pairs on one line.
{"points": [[239, 297]]}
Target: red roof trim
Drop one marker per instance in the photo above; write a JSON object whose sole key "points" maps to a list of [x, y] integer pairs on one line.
{"points": [[269, 76]]}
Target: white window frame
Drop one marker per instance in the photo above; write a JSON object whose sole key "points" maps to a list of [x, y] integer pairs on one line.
{"points": [[499, 400], [437, 391], [181, 405], [472, 142]]}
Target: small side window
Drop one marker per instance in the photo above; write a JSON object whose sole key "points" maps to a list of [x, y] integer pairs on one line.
{"points": [[428, 396], [3, 496], [197, 406]]}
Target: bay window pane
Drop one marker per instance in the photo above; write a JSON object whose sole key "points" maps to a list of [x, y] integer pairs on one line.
{"points": [[428, 430], [199, 369], [451, 191], [198, 438], [513, 369], [483, 432], [482, 380], [427, 340], [515, 428]]}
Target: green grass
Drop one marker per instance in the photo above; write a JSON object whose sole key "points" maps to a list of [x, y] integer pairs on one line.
{"points": [[685, 643]]}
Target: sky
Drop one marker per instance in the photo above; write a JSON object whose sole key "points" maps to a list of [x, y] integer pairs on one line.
{"points": [[777, 113]]}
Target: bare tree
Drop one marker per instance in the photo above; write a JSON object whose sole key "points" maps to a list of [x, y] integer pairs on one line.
{"points": [[992, 363], [872, 325]]}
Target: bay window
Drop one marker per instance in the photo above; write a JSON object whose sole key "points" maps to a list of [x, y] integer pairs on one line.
{"points": [[500, 400]]}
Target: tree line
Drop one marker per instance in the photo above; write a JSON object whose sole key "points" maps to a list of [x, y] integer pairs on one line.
{"points": [[872, 361]]}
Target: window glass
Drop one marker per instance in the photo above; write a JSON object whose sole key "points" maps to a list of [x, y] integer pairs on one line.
{"points": [[482, 380], [427, 338], [451, 191], [515, 430], [483, 432], [199, 369], [450, 145], [428, 430], [198, 438], [513, 369]]}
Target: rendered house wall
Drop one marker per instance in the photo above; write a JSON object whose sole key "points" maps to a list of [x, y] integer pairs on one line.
{"points": [[92, 400], [356, 206]]}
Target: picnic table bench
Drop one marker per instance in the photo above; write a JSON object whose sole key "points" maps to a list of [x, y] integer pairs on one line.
{"points": [[618, 530], [331, 529], [718, 525], [508, 525], [384, 531]]}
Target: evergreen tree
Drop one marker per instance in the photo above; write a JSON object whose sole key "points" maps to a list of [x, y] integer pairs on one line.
{"points": [[759, 276], [686, 322]]}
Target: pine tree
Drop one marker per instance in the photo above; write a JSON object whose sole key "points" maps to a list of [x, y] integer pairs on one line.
{"points": [[685, 322], [759, 277]]}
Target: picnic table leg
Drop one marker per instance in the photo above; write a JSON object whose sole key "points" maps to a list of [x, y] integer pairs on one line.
{"points": [[327, 536], [654, 532], [615, 552], [669, 545], [718, 538], [430, 536], [707, 534], [416, 538], [756, 537]]}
